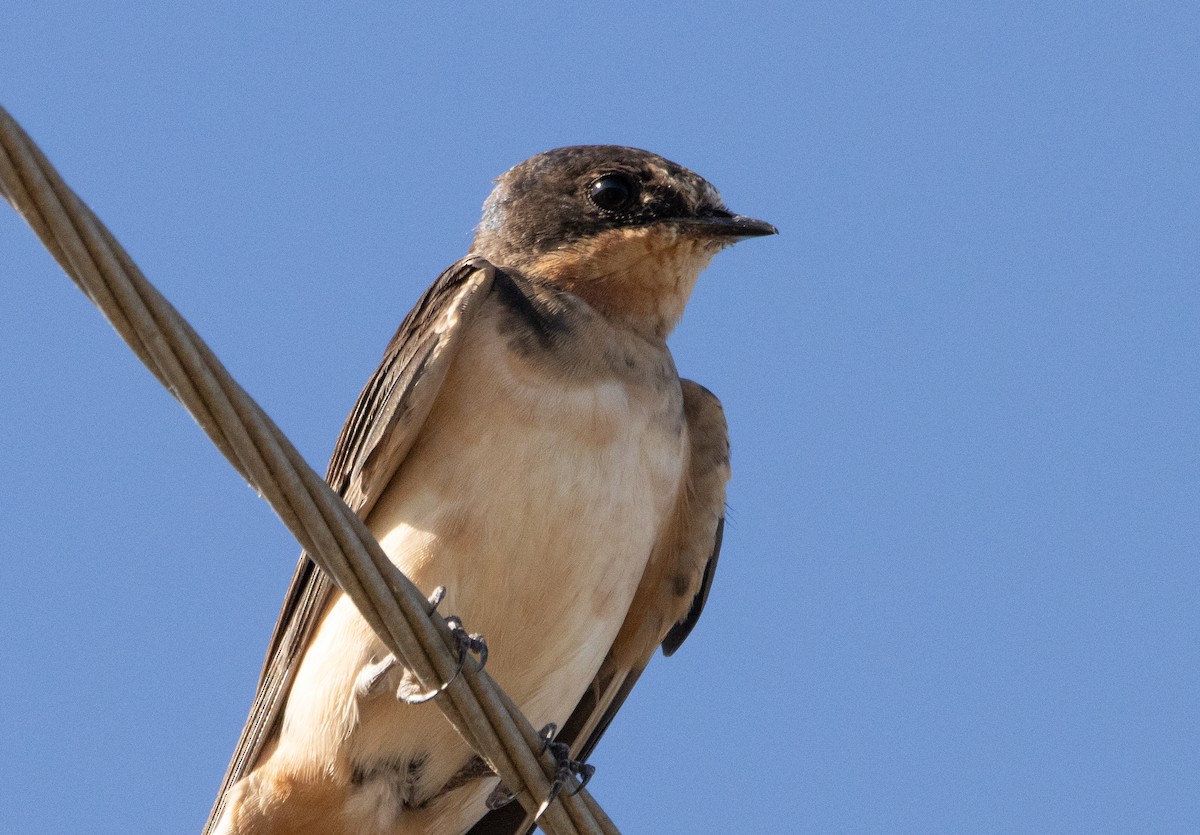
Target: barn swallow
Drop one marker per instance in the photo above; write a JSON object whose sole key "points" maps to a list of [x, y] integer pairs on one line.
{"points": [[528, 446]]}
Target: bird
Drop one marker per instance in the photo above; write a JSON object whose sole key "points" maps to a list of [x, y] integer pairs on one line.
{"points": [[527, 454]]}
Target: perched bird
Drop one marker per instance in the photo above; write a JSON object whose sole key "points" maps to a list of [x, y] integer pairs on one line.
{"points": [[527, 445]]}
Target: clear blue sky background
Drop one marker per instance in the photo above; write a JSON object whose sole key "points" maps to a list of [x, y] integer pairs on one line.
{"points": [[960, 583]]}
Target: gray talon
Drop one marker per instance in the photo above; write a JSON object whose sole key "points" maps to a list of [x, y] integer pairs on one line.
{"points": [[499, 798], [584, 773], [467, 644], [566, 767], [435, 599]]}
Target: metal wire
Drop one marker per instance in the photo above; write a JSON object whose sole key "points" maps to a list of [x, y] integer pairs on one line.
{"points": [[332, 535]]}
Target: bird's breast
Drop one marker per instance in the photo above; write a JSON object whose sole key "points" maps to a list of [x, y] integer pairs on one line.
{"points": [[535, 493]]}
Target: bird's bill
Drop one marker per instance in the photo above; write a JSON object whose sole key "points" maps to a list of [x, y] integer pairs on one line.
{"points": [[727, 227]]}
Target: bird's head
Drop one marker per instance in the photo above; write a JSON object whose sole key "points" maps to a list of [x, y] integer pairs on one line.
{"points": [[626, 230]]}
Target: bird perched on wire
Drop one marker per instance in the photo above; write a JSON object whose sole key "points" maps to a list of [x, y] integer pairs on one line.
{"points": [[527, 449]]}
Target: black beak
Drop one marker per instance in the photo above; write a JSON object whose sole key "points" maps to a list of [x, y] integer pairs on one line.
{"points": [[724, 225]]}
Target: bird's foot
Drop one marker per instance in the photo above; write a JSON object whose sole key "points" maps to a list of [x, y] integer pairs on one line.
{"points": [[409, 690], [565, 768]]}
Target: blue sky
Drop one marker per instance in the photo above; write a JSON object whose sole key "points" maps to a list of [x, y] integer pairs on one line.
{"points": [[960, 577]]}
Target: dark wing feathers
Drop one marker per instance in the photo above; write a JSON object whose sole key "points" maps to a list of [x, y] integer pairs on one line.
{"points": [[370, 448], [681, 630]]}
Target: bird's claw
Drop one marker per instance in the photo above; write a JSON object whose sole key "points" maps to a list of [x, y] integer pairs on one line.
{"points": [[409, 690], [435, 599], [499, 798], [565, 766], [474, 644], [466, 644], [584, 772]]}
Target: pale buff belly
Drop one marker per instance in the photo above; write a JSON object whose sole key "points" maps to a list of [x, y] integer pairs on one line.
{"points": [[536, 505]]}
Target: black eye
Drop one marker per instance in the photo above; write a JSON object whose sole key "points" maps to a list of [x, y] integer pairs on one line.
{"points": [[613, 192]]}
